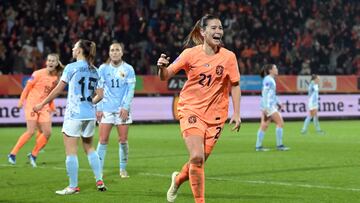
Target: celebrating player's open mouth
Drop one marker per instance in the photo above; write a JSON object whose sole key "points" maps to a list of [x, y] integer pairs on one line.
{"points": [[217, 39]]}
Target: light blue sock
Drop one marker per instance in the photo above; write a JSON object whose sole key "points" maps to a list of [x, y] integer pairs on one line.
{"points": [[101, 150], [316, 123], [306, 123], [279, 136], [260, 137], [94, 162], [123, 155], [72, 167]]}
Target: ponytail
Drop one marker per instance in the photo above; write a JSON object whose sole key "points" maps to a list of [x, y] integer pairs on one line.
{"points": [[195, 38], [89, 51], [266, 69]]}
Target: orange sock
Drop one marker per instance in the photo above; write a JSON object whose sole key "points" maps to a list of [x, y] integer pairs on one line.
{"points": [[20, 143], [38, 133], [40, 143], [197, 181], [183, 175]]}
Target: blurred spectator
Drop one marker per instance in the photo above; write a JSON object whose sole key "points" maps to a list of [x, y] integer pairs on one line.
{"points": [[302, 37]]}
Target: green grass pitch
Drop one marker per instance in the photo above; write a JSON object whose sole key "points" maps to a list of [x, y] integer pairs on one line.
{"points": [[318, 168]]}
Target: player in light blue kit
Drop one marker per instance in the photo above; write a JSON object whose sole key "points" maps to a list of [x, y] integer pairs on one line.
{"points": [[117, 78], [313, 105], [80, 115], [270, 108]]}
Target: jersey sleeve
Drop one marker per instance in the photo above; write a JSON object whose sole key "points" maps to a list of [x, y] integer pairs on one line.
{"points": [[101, 82], [181, 62], [267, 93], [67, 74], [233, 67], [29, 85], [130, 78]]}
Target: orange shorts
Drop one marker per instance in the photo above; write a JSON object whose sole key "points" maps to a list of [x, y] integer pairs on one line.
{"points": [[190, 124], [41, 116]]}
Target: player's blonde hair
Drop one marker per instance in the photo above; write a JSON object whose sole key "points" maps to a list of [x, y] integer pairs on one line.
{"points": [[60, 67], [195, 38]]}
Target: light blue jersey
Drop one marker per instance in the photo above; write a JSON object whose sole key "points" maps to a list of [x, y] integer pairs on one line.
{"points": [[118, 84], [269, 100], [82, 81], [313, 93]]}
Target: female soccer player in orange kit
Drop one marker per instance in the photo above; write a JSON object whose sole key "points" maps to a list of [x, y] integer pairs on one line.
{"points": [[212, 71], [37, 88]]}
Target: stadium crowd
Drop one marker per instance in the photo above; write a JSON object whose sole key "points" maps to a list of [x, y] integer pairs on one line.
{"points": [[301, 37]]}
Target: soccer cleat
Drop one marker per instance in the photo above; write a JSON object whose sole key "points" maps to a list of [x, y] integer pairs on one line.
{"points": [[261, 149], [172, 192], [12, 159], [101, 186], [32, 160], [303, 132], [124, 174], [282, 148], [68, 191]]}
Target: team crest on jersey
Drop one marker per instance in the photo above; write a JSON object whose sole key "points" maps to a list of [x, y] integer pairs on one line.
{"points": [[192, 119], [122, 74], [219, 69]]}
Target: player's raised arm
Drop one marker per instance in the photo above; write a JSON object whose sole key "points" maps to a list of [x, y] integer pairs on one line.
{"points": [[162, 64]]}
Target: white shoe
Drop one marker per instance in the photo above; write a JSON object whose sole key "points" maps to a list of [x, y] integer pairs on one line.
{"points": [[32, 160], [124, 174], [68, 191], [172, 192]]}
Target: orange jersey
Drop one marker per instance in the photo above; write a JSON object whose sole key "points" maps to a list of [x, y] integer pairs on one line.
{"points": [[38, 88], [206, 92]]}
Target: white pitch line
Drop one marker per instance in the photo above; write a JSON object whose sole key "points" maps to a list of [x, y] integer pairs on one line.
{"points": [[267, 183], [219, 179]]}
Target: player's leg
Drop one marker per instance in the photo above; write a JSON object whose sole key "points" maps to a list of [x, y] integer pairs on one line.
{"points": [[316, 121], [277, 118], [72, 163], [306, 124], [104, 134], [195, 145], [193, 130], [71, 132], [212, 135], [123, 131], [23, 139], [264, 124], [44, 124], [93, 157]]}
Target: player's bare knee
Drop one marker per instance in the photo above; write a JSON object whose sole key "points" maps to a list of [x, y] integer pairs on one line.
{"points": [[47, 134], [197, 159], [264, 127], [122, 139], [280, 124]]}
